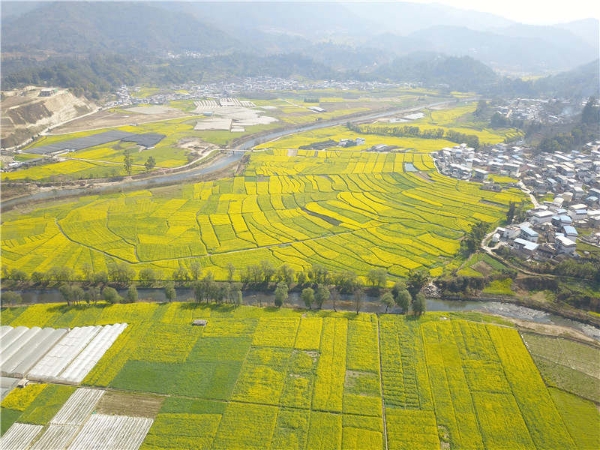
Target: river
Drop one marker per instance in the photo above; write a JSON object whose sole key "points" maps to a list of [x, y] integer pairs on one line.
{"points": [[218, 164], [370, 304]]}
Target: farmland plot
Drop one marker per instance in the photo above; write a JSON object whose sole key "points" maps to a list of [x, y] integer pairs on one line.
{"points": [[112, 432], [439, 380], [19, 436], [343, 209], [57, 355]]}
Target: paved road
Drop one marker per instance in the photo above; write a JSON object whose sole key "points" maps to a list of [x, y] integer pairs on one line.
{"points": [[216, 165]]}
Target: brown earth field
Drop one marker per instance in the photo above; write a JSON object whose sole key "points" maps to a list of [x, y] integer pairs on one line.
{"points": [[129, 404], [111, 118]]}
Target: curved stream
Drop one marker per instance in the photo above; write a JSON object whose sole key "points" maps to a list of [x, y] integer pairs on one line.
{"points": [[178, 177]]}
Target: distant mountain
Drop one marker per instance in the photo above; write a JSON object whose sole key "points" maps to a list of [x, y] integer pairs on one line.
{"points": [[588, 30], [311, 20], [581, 82], [85, 27], [459, 73], [403, 18], [516, 48], [11, 10]]}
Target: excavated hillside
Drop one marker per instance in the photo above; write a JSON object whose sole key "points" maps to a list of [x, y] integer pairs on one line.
{"points": [[27, 112]]}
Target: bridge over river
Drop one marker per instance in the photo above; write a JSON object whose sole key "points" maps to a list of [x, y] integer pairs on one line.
{"points": [[228, 158]]}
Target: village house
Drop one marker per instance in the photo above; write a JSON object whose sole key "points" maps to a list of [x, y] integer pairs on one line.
{"points": [[564, 245]]}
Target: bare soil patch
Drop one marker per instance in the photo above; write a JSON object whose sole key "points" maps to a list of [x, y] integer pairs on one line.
{"points": [[552, 330], [152, 110], [114, 118], [127, 404], [197, 146], [483, 267], [237, 116], [424, 175]]}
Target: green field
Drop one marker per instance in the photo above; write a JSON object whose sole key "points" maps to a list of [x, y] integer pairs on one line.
{"points": [[283, 378], [346, 210], [567, 365]]}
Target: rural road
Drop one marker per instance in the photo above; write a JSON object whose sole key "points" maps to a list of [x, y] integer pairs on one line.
{"points": [[216, 165]]}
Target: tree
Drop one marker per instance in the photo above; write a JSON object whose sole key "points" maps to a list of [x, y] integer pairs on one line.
{"points": [[181, 275], [268, 271], [510, 214], [88, 271], [359, 298], [150, 163], [335, 296], [11, 298], [66, 291], [308, 296], [60, 274], [377, 277], [77, 294], [147, 277], [387, 299], [591, 112], [419, 305], [301, 277], [286, 274], [170, 292], [132, 294], [482, 108], [346, 281], [321, 295], [38, 277], [230, 272], [100, 278], [121, 273], [473, 238], [318, 274], [416, 280], [195, 270], [92, 295], [403, 299], [235, 294], [127, 161], [111, 295], [18, 275], [208, 286], [281, 293], [198, 291]]}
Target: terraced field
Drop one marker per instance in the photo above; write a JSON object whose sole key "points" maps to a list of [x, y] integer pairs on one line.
{"points": [[266, 378], [342, 209]]}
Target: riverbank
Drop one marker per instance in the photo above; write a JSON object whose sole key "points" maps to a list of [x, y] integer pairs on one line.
{"points": [[509, 308]]}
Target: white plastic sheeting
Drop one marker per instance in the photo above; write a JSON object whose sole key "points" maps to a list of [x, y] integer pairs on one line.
{"points": [[11, 337], [79, 406], [112, 432], [56, 437], [6, 385], [18, 365], [4, 329], [88, 358], [19, 436], [61, 355], [20, 343]]}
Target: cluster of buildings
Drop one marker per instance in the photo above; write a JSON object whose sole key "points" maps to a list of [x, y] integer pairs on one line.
{"points": [[568, 184], [538, 110], [226, 89], [556, 173], [550, 231]]}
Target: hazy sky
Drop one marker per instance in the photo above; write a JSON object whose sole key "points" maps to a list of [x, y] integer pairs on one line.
{"points": [[537, 12], [530, 11]]}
